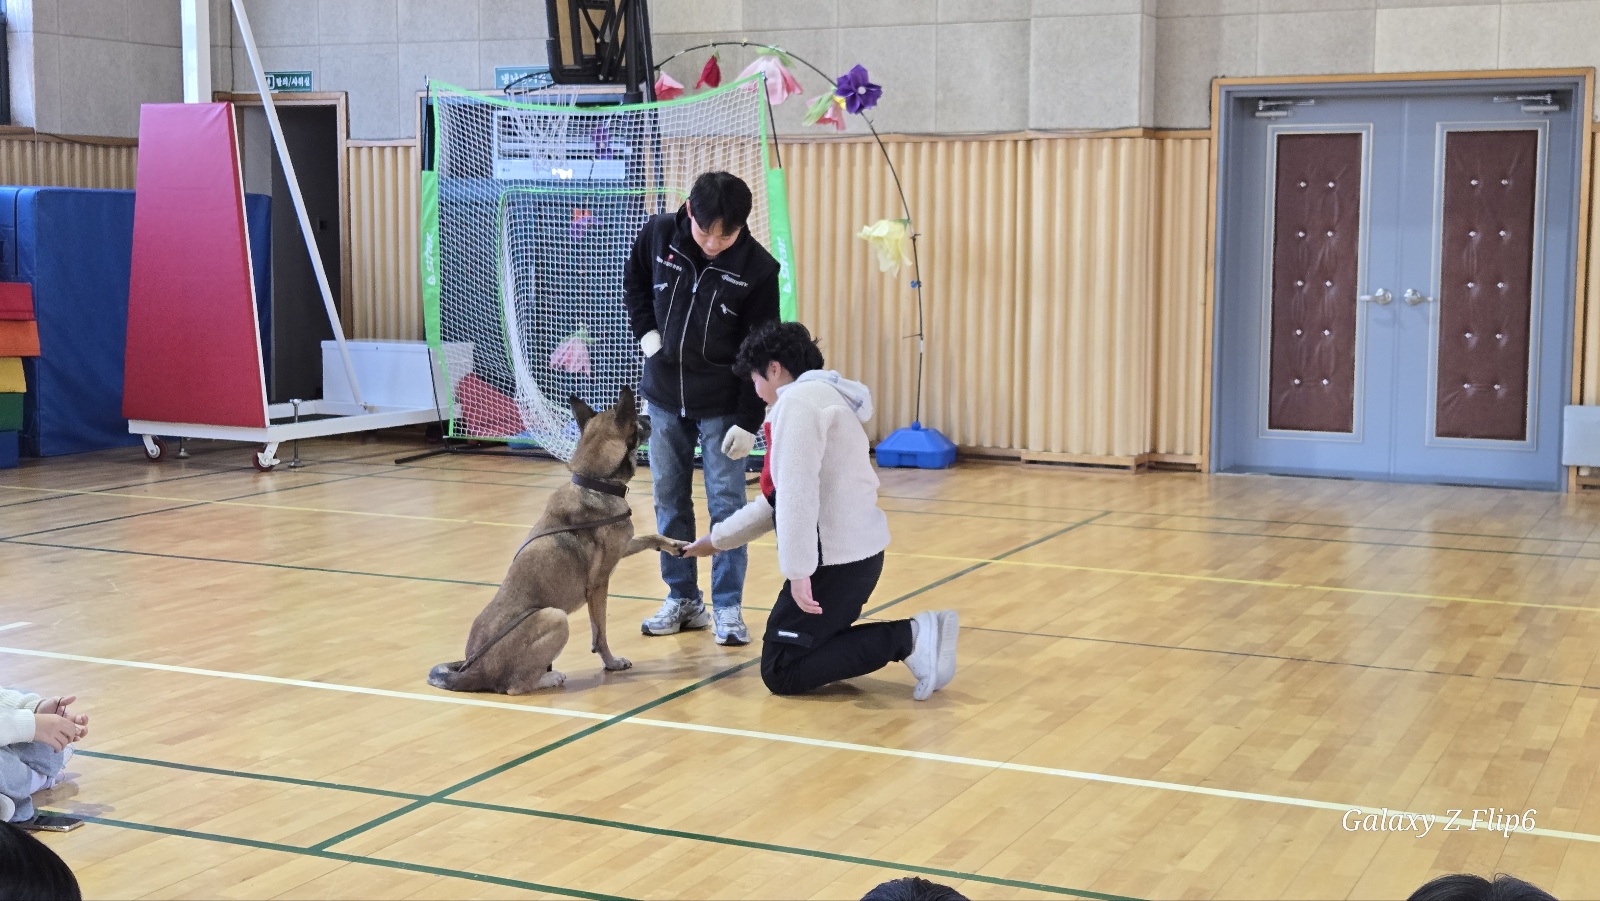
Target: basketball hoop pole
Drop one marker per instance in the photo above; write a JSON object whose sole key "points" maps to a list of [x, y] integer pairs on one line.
{"points": [[196, 24]]}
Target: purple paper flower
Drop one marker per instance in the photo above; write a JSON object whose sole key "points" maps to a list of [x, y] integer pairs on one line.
{"points": [[859, 94], [602, 143]]}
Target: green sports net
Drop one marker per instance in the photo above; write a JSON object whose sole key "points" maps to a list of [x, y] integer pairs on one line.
{"points": [[529, 212]]}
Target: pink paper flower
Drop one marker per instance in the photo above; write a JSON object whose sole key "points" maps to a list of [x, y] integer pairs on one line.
{"points": [[835, 114], [710, 74], [581, 220], [780, 84], [827, 109], [572, 355], [667, 87]]}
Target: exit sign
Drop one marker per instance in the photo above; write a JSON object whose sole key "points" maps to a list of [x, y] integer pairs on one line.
{"points": [[505, 75], [288, 82]]}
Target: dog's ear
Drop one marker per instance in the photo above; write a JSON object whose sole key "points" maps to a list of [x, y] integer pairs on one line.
{"points": [[626, 402], [580, 411]]}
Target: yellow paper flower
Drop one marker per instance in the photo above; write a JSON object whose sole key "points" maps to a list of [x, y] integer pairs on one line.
{"points": [[892, 242]]}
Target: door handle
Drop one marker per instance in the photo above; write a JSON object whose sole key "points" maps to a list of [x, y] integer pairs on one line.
{"points": [[1414, 297], [1380, 296]]}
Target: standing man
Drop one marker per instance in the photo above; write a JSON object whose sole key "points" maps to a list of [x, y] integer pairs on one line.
{"points": [[696, 284]]}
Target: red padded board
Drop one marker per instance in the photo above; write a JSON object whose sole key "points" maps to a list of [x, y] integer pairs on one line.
{"points": [[19, 338], [193, 352], [485, 410], [16, 300]]}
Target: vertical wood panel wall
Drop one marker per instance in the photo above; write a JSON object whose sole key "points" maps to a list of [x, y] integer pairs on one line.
{"points": [[53, 162], [1589, 392], [1064, 287], [385, 294], [1063, 277]]}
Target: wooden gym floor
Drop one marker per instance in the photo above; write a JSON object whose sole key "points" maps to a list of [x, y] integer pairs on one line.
{"points": [[1171, 686]]}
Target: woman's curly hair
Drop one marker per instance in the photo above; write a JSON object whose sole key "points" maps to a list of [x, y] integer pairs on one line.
{"points": [[787, 343]]}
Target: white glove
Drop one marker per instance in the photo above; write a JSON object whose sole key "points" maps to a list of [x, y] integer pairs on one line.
{"points": [[738, 443], [650, 343]]}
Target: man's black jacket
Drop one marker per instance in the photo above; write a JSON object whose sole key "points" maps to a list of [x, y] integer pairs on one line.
{"points": [[703, 310]]}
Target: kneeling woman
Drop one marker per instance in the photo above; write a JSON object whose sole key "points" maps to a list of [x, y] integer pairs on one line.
{"points": [[820, 492]]}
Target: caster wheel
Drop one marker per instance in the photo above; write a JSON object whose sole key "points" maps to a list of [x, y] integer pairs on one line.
{"points": [[155, 449], [262, 462]]}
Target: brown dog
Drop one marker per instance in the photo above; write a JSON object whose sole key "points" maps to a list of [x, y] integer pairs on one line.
{"points": [[565, 563]]}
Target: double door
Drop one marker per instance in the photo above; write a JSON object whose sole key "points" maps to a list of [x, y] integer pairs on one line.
{"points": [[1396, 281]]}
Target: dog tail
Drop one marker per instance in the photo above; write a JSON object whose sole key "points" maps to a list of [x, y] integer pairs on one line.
{"points": [[449, 677]]}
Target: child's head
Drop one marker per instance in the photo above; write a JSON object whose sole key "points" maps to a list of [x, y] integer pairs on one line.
{"points": [[719, 205], [913, 888], [775, 354], [30, 870], [1469, 887]]}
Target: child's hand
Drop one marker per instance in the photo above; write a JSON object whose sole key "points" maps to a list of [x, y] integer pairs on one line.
{"points": [[55, 705], [801, 589], [59, 706], [56, 730], [702, 547]]}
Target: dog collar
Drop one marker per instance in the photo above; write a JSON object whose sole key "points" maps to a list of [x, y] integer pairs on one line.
{"points": [[601, 486]]}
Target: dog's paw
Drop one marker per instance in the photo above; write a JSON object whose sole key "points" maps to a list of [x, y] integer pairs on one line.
{"points": [[616, 664], [553, 679], [673, 546]]}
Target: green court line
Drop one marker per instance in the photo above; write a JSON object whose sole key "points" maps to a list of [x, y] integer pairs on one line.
{"points": [[241, 774], [628, 827], [1557, 555], [300, 568], [1277, 522], [606, 724], [977, 566], [347, 858], [866, 615], [75, 492], [288, 566], [534, 754], [982, 503], [787, 849], [85, 525]]}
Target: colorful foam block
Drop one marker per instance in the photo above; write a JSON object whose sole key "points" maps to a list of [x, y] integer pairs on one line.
{"points": [[19, 338], [8, 450], [11, 379], [10, 412], [16, 300]]}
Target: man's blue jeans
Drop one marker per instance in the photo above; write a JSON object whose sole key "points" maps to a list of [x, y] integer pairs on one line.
{"points": [[672, 442]]}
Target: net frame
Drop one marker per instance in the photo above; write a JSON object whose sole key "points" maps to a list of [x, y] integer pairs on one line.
{"points": [[657, 173]]}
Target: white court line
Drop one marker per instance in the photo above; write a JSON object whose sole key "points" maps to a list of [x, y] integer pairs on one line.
{"points": [[978, 762], [9, 626], [298, 683]]}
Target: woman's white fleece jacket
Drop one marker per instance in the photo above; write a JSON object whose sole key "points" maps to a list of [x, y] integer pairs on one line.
{"points": [[16, 716], [827, 490]]}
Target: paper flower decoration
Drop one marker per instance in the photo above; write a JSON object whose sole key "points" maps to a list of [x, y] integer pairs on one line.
{"points": [[667, 87], [601, 137], [581, 220], [780, 84], [859, 94], [826, 110], [573, 354], [710, 75], [891, 240]]}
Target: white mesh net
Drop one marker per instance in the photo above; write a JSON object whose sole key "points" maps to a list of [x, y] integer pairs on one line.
{"points": [[537, 210]]}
